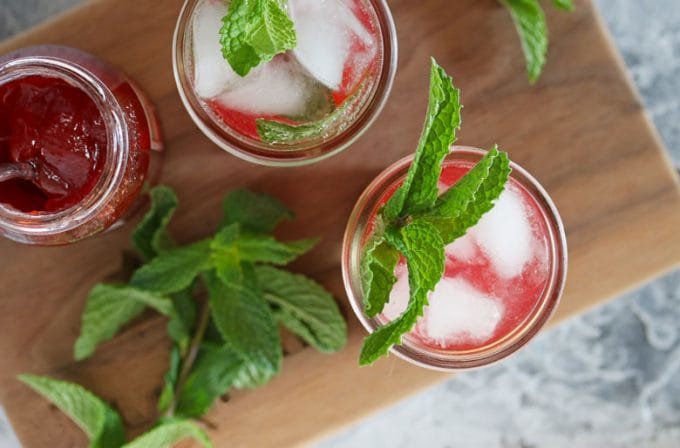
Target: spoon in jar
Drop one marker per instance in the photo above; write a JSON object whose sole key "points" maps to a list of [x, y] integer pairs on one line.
{"points": [[17, 170]]}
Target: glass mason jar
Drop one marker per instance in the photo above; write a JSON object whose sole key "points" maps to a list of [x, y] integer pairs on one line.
{"points": [[132, 154], [541, 307], [235, 131]]}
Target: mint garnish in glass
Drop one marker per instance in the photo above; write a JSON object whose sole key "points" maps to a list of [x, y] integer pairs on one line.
{"points": [[418, 221]]}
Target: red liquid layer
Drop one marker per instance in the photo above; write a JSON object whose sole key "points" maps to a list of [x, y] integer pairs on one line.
{"points": [[518, 295], [59, 130], [245, 122]]}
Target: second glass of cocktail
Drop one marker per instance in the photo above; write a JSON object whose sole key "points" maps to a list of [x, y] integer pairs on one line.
{"points": [[301, 106]]}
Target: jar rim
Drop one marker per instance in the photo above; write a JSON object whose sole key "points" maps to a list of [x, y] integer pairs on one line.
{"points": [[262, 153], [442, 360], [16, 222]]}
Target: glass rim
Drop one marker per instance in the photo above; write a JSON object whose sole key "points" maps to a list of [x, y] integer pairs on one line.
{"points": [[260, 154], [41, 224], [443, 360]]}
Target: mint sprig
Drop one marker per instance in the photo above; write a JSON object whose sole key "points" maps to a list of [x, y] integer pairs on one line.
{"points": [[224, 301], [532, 28], [416, 222], [254, 31]]}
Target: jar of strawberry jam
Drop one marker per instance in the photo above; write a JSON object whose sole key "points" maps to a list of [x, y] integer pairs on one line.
{"points": [[78, 142]]}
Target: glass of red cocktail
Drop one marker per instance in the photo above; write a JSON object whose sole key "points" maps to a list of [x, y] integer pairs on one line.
{"points": [[501, 283], [331, 86]]}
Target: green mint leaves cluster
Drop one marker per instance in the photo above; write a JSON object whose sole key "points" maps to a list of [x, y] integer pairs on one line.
{"points": [[532, 28], [254, 31], [225, 298], [417, 222]]}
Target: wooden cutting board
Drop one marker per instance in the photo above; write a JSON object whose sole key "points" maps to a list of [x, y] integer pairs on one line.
{"points": [[582, 131]]}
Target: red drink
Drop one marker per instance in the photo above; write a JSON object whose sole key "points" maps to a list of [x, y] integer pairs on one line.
{"points": [[501, 281], [85, 131]]}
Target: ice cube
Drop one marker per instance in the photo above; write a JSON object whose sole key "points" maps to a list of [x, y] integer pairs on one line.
{"points": [[399, 295], [212, 73], [504, 234], [458, 311], [324, 30], [463, 249], [276, 88]]}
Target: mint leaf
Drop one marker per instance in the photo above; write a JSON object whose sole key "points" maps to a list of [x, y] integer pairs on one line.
{"points": [[377, 274], [258, 213], [230, 247], [254, 31], [170, 433], [564, 5], [101, 424], [531, 26], [246, 323], [423, 248], [150, 237], [174, 270], [304, 307], [464, 204], [274, 31], [215, 370], [110, 307], [419, 190], [378, 343], [271, 131], [266, 249], [424, 251]]}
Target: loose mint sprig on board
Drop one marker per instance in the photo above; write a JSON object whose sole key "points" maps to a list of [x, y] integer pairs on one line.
{"points": [[224, 296], [532, 28], [417, 222]]}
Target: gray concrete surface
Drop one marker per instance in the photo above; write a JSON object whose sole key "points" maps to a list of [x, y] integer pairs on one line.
{"points": [[610, 378]]}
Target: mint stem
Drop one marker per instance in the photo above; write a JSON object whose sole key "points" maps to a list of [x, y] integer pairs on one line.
{"points": [[189, 358]]}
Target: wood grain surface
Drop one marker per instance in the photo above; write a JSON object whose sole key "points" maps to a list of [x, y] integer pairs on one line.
{"points": [[581, 130]]}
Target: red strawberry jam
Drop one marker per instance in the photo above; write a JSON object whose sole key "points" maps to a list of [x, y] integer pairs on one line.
{"points": [[58, 129]]}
